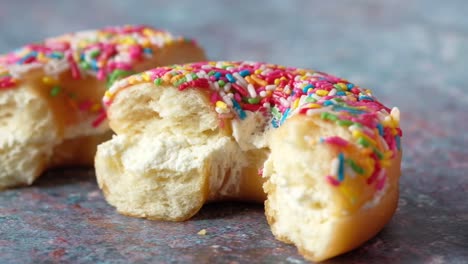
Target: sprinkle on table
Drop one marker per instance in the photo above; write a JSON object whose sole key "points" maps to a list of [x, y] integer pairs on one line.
{"points": [[202, 232]]}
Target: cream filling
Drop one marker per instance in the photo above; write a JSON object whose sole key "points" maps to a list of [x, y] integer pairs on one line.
{"points": [[251, 133]]}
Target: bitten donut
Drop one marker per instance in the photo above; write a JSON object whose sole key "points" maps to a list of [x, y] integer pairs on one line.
{"points": [[326, 152], [50, 94]]}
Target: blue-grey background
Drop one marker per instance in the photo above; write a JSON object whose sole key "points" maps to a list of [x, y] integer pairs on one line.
{"points": [[413, 54]]}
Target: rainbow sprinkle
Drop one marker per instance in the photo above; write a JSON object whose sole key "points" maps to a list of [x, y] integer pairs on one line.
{"points": [[281, 92], [107, 54], [6, 80]]}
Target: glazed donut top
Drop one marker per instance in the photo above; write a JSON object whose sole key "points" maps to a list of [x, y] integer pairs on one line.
{"points": [[101, 53], [282, 92], [108, 54]]}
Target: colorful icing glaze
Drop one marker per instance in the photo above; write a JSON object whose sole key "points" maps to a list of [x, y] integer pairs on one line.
{"points": [[108, 54], [282, 92]]}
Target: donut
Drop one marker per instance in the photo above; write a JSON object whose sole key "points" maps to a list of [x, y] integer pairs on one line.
{"points": [[322, 153], [50, 94]]}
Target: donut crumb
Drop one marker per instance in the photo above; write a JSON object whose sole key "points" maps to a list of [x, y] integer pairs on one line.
{"points": [[202, 232]]}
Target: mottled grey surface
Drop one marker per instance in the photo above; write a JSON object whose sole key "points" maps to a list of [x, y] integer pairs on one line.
{"points": [[413, 54]]}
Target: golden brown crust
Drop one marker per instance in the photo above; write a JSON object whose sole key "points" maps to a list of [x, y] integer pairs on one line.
{"points": [[354, 230], [341, 232], [77, 151]]}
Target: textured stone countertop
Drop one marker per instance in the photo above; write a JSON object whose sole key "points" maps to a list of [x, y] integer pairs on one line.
{"points": [[412, 53]]}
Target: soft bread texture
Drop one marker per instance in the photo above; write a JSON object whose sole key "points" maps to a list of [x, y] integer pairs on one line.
{"points": [[173, 152], [169, 155], [40, 131], [26, 128]]}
